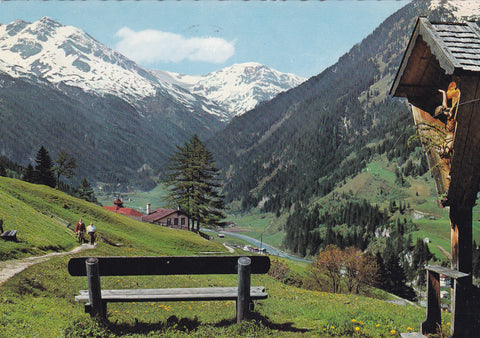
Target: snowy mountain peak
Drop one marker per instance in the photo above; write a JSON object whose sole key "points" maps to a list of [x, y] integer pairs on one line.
{"points": [[66, 55], [237, 88]]}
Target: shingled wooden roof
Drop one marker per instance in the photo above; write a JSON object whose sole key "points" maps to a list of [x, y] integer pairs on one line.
{"points": [[437, 54], [436, 51]]}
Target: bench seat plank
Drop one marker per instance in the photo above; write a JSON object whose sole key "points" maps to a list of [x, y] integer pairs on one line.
{"points": [[171, 295], [447, 271]]}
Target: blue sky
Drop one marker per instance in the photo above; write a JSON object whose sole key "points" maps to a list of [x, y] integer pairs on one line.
{"points": [[199, 37]]}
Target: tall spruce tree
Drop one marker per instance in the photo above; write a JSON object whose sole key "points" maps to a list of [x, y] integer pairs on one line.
{"points": [[193, 184], [44, 168]]}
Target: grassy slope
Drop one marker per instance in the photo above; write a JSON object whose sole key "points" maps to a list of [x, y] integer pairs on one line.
{"points": [[39, 302], [377, 184]]}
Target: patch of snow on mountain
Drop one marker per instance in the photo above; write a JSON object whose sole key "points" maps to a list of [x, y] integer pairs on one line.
{"points": [[461, 9]]}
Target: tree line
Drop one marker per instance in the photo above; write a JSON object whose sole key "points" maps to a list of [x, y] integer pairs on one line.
{"points": [[342, 223], [48, 172], [345, 222]]}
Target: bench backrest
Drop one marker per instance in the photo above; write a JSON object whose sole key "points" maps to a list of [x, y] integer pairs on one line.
{"points": [[168, 265]]}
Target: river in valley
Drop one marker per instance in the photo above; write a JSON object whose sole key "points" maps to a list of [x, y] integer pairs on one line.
{"points": [[271, 250]]}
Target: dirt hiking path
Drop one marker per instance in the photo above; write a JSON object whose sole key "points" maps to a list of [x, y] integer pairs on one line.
{"points": [[10, 268]]}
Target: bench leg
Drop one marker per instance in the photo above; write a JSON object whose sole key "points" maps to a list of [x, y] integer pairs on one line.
{"points": [[243, 300], [97, 306], [433, 321]]}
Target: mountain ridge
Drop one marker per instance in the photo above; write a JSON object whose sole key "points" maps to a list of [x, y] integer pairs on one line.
{"points": [[237, 88], [67, 55]]}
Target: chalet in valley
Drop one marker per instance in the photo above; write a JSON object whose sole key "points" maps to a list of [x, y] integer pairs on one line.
{"points": [[174, 218]]}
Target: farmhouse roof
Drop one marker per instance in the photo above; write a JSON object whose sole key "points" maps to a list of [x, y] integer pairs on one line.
{"points": [[436, 51], [159, 214], [120, 209], [124, 211]]}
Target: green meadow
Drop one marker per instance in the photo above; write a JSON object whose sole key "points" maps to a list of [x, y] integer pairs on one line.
{"points": [[39, 301]]}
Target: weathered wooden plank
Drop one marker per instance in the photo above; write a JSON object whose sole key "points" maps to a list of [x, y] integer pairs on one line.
{"points": [[452, 45], [450, 28], [412, 335], [172, 295], [467, 56], [471, 50], [470, 62], [461, 40], [447, 271], [168, 265]]}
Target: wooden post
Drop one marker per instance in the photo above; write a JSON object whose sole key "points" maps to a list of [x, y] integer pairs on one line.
{"points": [[97, 308], [434, 319], [461, 241], [243, 300]]}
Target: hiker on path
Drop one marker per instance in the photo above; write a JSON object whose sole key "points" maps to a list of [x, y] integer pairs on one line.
{"points": [[91, 232], [1, 226], [80, 231]]}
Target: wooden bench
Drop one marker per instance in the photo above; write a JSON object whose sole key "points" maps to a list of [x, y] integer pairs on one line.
{"points": [[9, 235], [96, 299]]}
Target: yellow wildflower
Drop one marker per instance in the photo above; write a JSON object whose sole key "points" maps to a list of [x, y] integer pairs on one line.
{"points": [[357, 329], [354, 320], [392, 331]]}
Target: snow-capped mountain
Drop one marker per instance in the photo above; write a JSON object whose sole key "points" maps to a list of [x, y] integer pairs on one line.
{"points": [[61, 88], [66, 55], [238, 88]]}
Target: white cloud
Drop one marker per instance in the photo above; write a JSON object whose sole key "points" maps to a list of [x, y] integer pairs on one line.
{"points": [[153, 46]]}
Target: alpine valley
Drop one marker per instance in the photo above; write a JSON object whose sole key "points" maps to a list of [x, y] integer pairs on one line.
{"points": [[62, 89], [280, 140]]}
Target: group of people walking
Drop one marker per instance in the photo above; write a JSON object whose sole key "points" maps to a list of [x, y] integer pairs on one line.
{"points": [[80, 230]]}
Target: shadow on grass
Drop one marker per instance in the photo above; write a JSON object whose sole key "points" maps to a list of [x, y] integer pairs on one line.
{"points": [[266, 322], [183, 324], [190, 325]]}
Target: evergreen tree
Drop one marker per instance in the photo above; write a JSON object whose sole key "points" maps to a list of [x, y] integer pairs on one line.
{"points": [[29, 175], [85, 191], [193, 184], [44, 168]]}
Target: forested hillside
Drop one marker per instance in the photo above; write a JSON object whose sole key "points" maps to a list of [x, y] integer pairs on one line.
{"points": [[312, 138]]}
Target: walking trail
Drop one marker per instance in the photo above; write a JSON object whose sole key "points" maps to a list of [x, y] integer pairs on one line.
{"points": [[10, 268]]}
